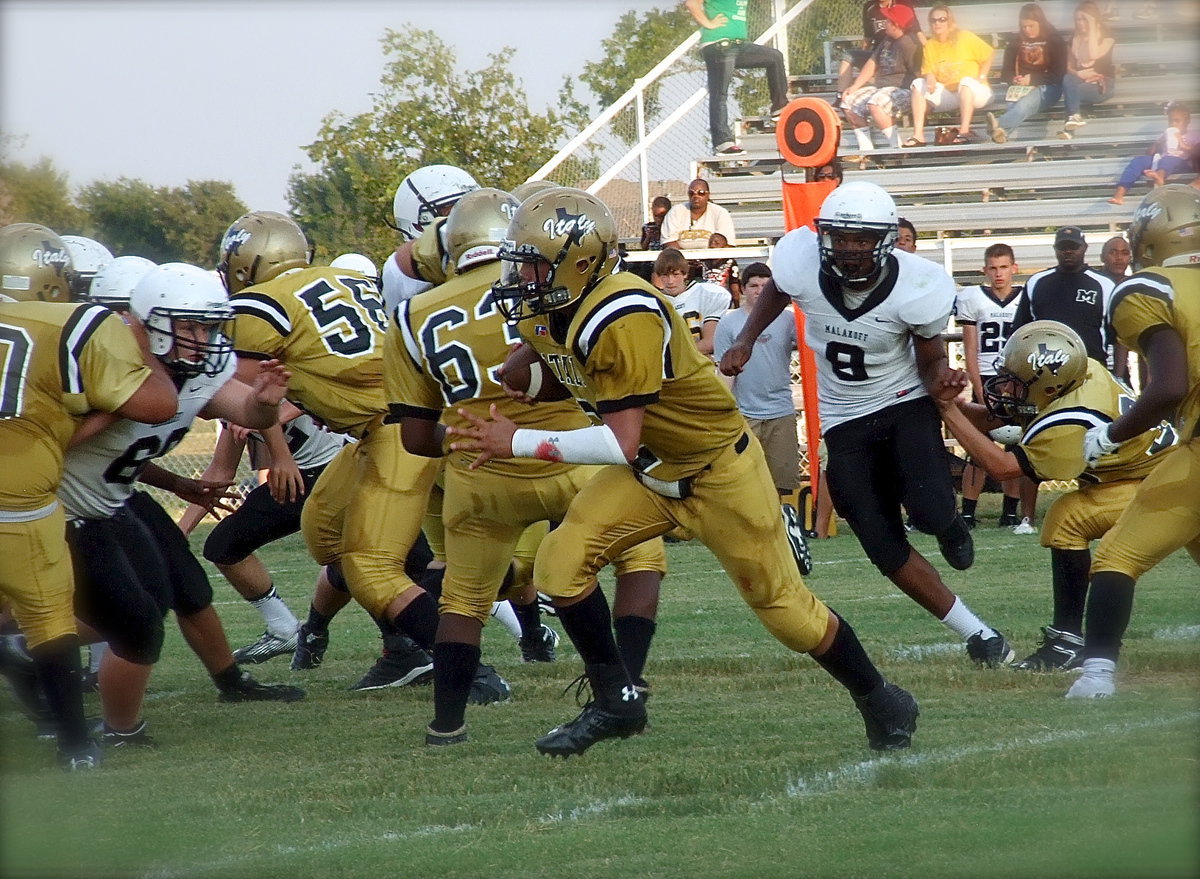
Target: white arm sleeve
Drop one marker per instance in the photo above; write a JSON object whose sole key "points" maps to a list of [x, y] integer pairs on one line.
{"points": [[587, 445], [398, 286]]}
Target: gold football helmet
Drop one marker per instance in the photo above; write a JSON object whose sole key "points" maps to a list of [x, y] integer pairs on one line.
{"points": [[34, 264], [1041, 362], [560, 243], [524, 190], [259, 246], [1165, 230], [476, 226]]}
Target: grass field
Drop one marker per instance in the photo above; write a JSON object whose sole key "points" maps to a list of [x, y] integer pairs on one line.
{"points": [[755, 765]]}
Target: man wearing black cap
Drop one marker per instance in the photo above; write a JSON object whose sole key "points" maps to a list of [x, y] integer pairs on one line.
{"points": [[1070, 293]]}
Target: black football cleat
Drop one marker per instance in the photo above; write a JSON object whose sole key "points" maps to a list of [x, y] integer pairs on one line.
{"points": [[1059, 651], [796, 540], [436, 739], [488, 688], [249, 690], [310, 649], [991, 652], [890, 714], [594, 724], [539, 645], [401, 664]]}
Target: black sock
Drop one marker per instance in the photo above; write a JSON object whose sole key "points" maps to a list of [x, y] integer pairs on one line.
{"points": [[454, 667], [227, 678], [848, 662], [634, 635], [1010, 506], [419, 621], [270, 591], [59, 671], [317, 621], [528, 615], [588, 624], [1109, 606], [1069, 572], [968, 507]]}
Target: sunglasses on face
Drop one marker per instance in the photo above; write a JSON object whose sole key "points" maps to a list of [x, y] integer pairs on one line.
{"points": [[697, 192], [940, 19]]}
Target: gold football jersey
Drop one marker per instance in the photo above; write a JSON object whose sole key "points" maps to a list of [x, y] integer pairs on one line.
{"points": [[429, 254], [442, 353], [328, 326], [626, 346], [1052, 445], [1164, 296], [59, 361]]}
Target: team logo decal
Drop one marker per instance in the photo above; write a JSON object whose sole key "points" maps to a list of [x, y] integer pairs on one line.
{"points": [[49, 256], [1053, 359], [234, 239], [574, 226]]}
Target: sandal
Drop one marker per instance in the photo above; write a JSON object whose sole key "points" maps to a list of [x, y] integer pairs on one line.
{"points": [[912, 142], [968, 137]]}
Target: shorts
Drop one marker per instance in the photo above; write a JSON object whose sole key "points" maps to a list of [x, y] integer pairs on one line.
{"points": [[892, 100], [942, 98], [781, 447]]}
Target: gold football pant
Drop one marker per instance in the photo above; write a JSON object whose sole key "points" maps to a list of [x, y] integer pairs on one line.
{"points": [[36, 575], [1086, 514], [1163, 516], [487, 520], [734, 511], [365, 512]]}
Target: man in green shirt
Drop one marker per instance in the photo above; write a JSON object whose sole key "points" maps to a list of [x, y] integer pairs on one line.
{"points": [[725, 47]]}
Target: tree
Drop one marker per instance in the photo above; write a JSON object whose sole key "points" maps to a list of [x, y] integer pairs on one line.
{"points": [[38, 193], [421, 114], [162, 223]]}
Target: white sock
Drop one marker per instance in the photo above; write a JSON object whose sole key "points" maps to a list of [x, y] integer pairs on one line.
{"points": [[965, 623], [863, 136], [280, 621], [95, 654], [1099, 667], [892, 135], [503, 611]]}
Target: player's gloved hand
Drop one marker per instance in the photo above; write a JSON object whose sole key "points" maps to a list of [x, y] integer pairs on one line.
{"points": [[1096, 444]]}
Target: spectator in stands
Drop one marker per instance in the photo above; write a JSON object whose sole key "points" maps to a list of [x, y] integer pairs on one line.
{"points": [[1169, 154], [906, 235], [723, 271], [1035, 62], [1091, 76], [832, 171], [1071, 293], [652, 231], [725, 46], [763, 390], [1115, 257], [955, 67], [700, 304], [875, 23], [689, 226], [881, 91]]}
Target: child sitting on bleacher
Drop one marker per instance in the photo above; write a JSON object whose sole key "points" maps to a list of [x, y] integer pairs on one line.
{"points": [[1169, 154]]}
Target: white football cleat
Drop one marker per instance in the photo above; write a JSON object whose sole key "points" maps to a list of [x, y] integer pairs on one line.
{"points": [[1096, 682]]}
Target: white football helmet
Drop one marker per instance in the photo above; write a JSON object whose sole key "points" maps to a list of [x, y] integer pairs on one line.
{"points": [[426, 194], [857, 206], [88, 256], [358, 263], [114, 283], [187, 316]]}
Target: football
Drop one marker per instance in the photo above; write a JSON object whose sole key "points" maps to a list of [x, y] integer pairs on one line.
{"points": [[524, 371]]}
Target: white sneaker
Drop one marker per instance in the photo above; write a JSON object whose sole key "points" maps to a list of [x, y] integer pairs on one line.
{"points": [[1026, 527], [1075, 121], [1096, 682]]}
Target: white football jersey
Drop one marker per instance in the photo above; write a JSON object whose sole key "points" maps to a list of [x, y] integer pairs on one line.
{"points": [[101, 472], [993, 320], [699, 303], [865, 358], [311, 444]]}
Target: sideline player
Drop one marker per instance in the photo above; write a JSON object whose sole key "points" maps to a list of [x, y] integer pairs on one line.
{"points": [[64, 361], [701, 305], [440, 346], [1156, 313], [681, 457], [870, 310], [985, 312], [1047, 385]]}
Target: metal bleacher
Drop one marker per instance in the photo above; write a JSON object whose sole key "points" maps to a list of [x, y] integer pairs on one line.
{"points": [[1021, 189]]}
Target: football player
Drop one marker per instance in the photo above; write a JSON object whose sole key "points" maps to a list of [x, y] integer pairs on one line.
{"points": [[875, 318], [422, 201], [985, 313], [63, 362], [88, 256], [439, 350], [132, 562], [1155, 313], [1046, 384], [700, 305], [365, 511], [680, 457]]}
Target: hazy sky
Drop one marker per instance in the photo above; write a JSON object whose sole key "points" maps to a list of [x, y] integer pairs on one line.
{"points": [[172, 90]]}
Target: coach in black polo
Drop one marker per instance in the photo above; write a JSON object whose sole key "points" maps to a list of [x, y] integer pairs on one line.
{"points": [[1070, 293]]}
